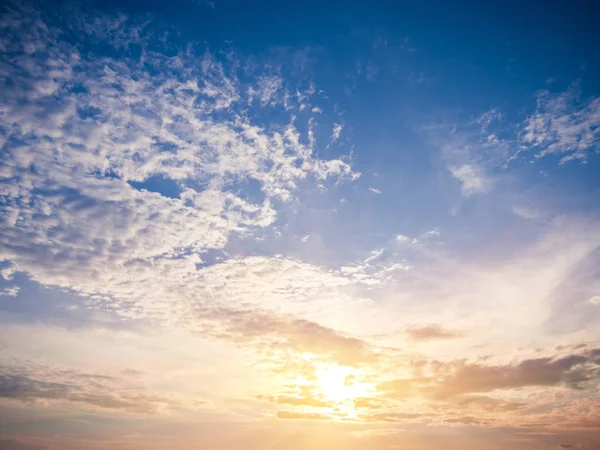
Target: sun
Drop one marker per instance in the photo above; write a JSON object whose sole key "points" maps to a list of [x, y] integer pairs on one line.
{"points": [[341, 384]]}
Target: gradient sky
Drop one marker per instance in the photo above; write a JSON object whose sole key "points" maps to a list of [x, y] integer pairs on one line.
{"points": [[236, 225]]}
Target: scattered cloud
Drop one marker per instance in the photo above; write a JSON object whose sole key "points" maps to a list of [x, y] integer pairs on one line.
{"points": [[563, 124], [93, 124]]}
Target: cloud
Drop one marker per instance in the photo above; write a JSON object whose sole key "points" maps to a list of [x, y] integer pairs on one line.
{"points": [[131, 171], [10, 291], [431, 332], [472, 179], [301, 416], [83, 128], [337, 131], [526, 212], [472, 151], [563, 125], [279, 284], [266, 90], [548, 371], [294, 400], [375, 190], [42, 384], [476, 152], [375, 254], [449, 379], [280, 335]]}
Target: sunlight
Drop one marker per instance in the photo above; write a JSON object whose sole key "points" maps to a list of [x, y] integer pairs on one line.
{"points": [[341, 384]]}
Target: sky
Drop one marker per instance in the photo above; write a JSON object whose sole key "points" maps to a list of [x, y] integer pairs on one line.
{"points": [[266, 225]]}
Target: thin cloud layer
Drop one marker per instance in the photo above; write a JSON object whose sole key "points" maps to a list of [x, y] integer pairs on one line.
{"points": [[429, 332]]}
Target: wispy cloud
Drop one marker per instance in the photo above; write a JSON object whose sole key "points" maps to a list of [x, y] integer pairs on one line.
{"points": [[337, 131], [43, 384], [472, 179], [431, 332], [563, 124], [11, 291]]}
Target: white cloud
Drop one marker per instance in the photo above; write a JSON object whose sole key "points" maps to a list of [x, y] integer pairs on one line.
{"points": [[472, 179], [375, 190], [8, 272], [10, 291], [471, 151], [526, 212], [563, 124], [374, 255], [266, 89], [89, 125], [337, 131]]}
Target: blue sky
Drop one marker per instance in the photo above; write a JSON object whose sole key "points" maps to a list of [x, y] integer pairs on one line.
{"points": [[384, 215]]}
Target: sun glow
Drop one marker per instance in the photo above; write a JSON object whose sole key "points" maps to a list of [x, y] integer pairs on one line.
{"points": [[341, 384]]}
